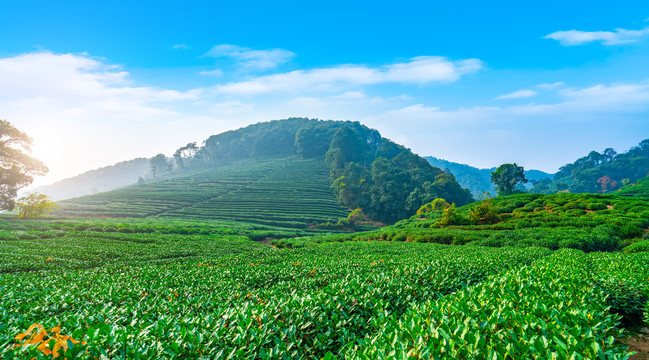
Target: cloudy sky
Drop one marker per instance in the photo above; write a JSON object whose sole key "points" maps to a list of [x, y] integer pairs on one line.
{"points": [[481, 83]]}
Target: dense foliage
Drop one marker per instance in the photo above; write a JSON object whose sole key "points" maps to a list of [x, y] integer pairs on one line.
{"points": [[17, 168], [600, 172]]}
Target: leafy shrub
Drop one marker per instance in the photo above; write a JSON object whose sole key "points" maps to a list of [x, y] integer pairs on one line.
{"points": [[596, 206], [630, 231], [437, 204], [640, 246], [452, 217], [9, 236], [23, 235], [603, 238], [484, 212], [626, 299]]}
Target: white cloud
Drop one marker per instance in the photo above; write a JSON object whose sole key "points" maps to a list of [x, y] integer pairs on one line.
{"points": [[181, 47], [617, 37], [420, 70], [542, 136], [250, 59], [551, 86], [216, 72], [517, 94], [84, 114]]}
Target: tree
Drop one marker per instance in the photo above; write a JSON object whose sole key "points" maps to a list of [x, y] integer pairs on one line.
{"points": [[34, 205], [17, 169], [437, 204], [159, 165], [506, 177]]}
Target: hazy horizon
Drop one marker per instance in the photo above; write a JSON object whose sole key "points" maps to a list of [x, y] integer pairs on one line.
{"points": [[541, 86]]}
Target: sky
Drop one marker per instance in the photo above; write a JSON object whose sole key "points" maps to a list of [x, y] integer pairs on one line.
{"points": [[481, 83]]}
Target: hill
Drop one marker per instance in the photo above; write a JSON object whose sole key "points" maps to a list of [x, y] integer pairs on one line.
{"points": [[479, 180], [297, 173], [99, 180], [600, 172]]}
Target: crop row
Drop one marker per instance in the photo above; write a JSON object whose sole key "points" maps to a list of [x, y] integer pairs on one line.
{"points": [[546, 311], [277, 192], [271, 303]]}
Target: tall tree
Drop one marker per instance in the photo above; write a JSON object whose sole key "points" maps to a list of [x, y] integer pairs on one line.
{"points": [[17, 168], [506, 177]]}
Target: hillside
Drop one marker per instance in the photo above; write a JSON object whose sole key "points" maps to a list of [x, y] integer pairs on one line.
{"points": [[602, 172], [290, 173], [639, 188], [99, 180], [479, 180], [285, 192]]}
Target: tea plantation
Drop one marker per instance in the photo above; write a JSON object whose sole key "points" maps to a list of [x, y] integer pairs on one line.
{"points": [[190, 289], [276, 192]]}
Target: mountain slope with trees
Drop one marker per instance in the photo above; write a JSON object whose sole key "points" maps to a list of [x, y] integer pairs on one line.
{"points": [[387, 181], [600, 172]]}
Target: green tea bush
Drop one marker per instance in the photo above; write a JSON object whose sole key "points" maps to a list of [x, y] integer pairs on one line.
{"points": [[631, 231], [548, 310], [640, 246], [9, 236], [627, 299]]}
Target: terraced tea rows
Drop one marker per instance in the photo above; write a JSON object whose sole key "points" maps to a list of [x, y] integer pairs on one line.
{"points": [[275, 192]]}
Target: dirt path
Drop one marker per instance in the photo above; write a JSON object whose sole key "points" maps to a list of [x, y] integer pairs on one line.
{"points": [[640, 345]]}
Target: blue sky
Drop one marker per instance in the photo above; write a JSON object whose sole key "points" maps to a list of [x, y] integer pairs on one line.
{"points": [[481, 83]]}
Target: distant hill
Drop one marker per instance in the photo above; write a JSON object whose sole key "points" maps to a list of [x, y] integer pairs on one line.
{"points": [[479, 180], [297, 172], [99, 180], [602, 172]]}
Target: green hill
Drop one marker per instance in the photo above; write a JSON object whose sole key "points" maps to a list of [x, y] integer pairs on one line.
{"points": [[602, 172], [286, 192], [294, 173]]}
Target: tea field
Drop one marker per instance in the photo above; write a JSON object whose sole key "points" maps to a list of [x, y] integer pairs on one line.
{"points": [[76, 292], [286, 192], [588, 222]]}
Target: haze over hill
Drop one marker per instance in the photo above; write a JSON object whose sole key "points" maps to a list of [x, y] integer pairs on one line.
{"points": [[479, 180], [98, 180]]}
